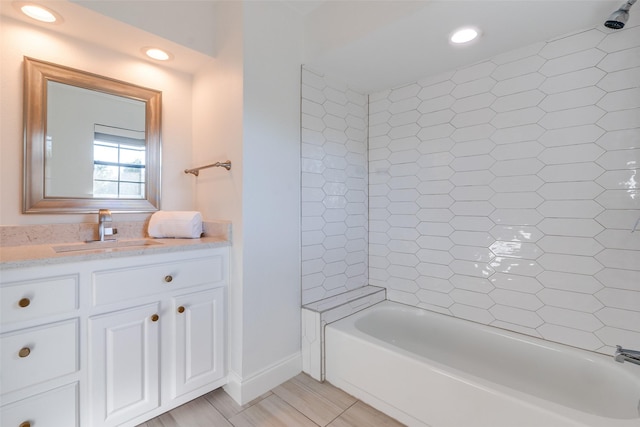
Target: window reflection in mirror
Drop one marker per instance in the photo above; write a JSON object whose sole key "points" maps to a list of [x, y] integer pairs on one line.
{"points": [[118, 163]]}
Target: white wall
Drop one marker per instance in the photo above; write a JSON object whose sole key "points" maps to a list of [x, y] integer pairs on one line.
{"points": [[247, 110], [505, 192], [217, 133], [271, 192], [19, 39]]}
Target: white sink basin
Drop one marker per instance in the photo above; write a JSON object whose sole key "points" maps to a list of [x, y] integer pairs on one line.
{"points": [[107, 244]]}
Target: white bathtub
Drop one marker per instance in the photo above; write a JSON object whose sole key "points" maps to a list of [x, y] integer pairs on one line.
{"points": [[428, 369]]}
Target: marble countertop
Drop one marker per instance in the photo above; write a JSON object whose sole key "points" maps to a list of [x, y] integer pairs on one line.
{"points": [[38, 255], [32, 246]]}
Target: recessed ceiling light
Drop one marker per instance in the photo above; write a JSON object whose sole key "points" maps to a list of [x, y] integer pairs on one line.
{"points": [[39, 13], [155, 53], [464, 35]]}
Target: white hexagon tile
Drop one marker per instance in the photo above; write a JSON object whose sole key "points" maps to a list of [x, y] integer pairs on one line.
{"points": [[334, 188], [504, 192]]}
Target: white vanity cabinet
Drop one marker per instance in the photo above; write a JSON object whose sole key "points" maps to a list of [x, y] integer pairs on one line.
{"points": [[156, 335], [140, 336], [40, 346]]}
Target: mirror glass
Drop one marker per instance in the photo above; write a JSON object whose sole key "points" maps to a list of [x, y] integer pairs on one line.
{"points": [[103, 135], [90, 142]]}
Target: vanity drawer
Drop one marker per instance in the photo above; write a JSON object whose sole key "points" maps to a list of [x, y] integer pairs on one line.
{"points": [[29, 300], [55, 408], [125, 284], [34, 355]]}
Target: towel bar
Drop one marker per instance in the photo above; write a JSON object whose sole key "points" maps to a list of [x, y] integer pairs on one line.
{"points": [[196, 171]]}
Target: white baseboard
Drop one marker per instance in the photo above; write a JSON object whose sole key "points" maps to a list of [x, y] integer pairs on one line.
{"points": [[244, 390]]}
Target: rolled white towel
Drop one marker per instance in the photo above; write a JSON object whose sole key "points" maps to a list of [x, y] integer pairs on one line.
{"points": [[179, 224]]}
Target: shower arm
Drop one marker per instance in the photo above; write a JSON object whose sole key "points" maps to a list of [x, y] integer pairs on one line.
{"points": [[626, 6]]}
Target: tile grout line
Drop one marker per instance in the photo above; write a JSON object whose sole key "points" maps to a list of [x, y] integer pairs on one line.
{"points": [[295, 409], [342, 413]]}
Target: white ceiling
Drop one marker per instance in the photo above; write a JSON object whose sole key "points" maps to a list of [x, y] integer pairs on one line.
{"points": [[372, 45], [413, 42], [101, 30]]}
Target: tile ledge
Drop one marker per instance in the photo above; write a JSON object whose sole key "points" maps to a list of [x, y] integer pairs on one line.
{"points": [[335, 301]]}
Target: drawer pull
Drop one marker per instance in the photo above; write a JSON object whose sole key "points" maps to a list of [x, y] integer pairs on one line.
{"points": [[25, 424], [168, 278], [181, 309], [155, 318], [24, 302], [24, 352]]}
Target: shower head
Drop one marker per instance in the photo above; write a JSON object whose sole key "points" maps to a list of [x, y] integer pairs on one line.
{"points": [[620, 16]]}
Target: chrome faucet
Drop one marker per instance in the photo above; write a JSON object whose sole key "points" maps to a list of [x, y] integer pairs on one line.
{"points": [[624, 355], [104, 215]]}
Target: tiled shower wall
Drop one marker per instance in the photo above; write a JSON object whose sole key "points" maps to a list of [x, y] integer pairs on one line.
{"points": [[506, 192], [334, 188]]}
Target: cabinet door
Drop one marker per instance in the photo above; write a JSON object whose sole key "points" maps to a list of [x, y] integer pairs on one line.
{"points": [[124, 364], [199, 340]]}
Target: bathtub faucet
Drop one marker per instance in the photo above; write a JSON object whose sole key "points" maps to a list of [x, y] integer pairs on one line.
{"points": [[624, 355]]}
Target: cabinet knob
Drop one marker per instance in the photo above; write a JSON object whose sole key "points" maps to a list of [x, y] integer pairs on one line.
{"points": [[181, 309], [24, 302], [25, 424], [168, 278], [24, 352], [155, 318]]}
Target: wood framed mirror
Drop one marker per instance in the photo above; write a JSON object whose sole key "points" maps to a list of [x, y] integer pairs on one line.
{"points": [[90, 142]]}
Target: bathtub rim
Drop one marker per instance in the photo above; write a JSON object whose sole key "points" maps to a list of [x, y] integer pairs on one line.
{"points": [[347, 326], [476, 325]]}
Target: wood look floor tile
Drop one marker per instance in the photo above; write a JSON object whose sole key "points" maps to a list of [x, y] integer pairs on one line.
{"points": [[363, 415], [326, 390], [197, 413], [271, 412], [313, 405], [226, 405], [300, 402], [164, 420]]}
